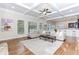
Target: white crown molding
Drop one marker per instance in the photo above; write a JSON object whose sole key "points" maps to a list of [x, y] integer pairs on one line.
{"points": [[55, 18], [59, 10], [69, 7], [72, 6], [72, 14], [64, 16], [20, 4], [25, 6]]}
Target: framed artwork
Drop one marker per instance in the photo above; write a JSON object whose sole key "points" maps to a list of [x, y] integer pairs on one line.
{"points": [[6, 24], [20, 27]]}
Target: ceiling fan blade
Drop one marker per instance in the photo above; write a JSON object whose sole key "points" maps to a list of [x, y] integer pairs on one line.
{"points": [[41, 13], [44, 10], [49, 12], [40, 10]]}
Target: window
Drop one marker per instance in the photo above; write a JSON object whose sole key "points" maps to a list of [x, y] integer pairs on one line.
{"points": [[20, 27], [32, 27]]}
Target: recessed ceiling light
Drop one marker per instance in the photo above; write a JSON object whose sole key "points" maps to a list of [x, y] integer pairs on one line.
{"points": [[13, 7]]}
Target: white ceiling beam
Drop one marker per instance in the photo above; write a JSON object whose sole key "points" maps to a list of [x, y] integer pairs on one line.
{"points": [[64, 16], [35, 5], [53, 5], [25, 6], [55, 18], [69, 7], [20, 4], [56, 9]]}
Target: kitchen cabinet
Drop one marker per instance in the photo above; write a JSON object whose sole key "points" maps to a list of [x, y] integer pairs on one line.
{"points": [[71, 32]]}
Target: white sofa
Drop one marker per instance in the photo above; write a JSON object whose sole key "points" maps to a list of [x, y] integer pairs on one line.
{"points": [[59, 34]]}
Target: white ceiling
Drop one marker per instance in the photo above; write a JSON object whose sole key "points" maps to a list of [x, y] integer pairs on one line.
{"points": [[59, 10]]}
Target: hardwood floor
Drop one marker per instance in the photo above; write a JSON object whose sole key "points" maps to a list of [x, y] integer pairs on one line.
{"points": [[69, 47], [15, 48]]}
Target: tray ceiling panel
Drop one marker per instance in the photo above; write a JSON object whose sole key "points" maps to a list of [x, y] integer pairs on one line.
{"points": [[55, 10], [14, 7]]}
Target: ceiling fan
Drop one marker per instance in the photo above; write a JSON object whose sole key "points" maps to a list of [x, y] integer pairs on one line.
{"points": [[45, 11]]}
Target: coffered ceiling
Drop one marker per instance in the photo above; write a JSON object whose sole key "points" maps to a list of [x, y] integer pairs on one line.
{"points": [[58, 10]]}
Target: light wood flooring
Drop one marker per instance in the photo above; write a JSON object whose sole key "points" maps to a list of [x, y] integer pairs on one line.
{"points": [[15, 48], [67, 48]]}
